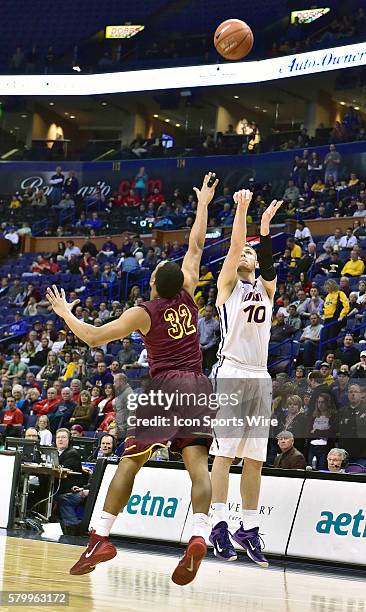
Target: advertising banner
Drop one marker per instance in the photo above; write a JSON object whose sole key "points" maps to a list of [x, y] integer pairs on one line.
{"points": [[277, 506], [157, 508], [330, 522], [7, 471]]}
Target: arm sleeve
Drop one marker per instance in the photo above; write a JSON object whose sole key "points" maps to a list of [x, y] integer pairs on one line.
{"points": [[265, 259], [345, 302]]}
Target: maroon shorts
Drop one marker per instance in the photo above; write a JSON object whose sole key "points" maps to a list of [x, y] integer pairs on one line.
{"points": [[175, 412]]}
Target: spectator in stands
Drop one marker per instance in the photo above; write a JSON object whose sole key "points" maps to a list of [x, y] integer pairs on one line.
{"points": [[67, 499], [63, 411], [51, 371], [354, 266], [289, 458], [340, 387], [325, 370], [311, 338], [358, 370], [332, 163], [71, 185], [12, 417], [351, 425], [334, 240], [348, 354], [349, 241], [280, 330], [102, 376], [66, 203], [127, 355], [71, 250], [43, 428], [337, 460], [108, 276], [291, 193], [16, 368], [293, 319], [336, 308], [322, 431], [40, 358], [57, 182], [83, 413], [302, 234], [208, 333], [333, 267], [47, 405]]}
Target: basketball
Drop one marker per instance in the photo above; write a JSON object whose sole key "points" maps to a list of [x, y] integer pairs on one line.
{"points": [[233, 39]]}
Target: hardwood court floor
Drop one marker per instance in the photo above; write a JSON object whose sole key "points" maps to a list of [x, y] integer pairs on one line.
{"points": [[140, 580]]}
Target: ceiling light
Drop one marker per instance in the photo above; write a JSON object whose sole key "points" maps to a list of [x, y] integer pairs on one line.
{"points": [[264, 110], [156, 116], [257, 107], [16, 128], [236, 97], [104, 103], [72, 117], [356, 107], [76, 68], [51, 104], [167, 120], [177, 125], [343, 104], [66, 114], [24, 116]]}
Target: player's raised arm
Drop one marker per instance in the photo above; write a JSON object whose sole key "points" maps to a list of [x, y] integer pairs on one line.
{"points": [[131, 320], [228, 275], [192, 259], [265, 261]]}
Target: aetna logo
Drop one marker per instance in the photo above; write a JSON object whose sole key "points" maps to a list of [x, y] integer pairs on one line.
{"points": [[152, 506], [344, 524]]}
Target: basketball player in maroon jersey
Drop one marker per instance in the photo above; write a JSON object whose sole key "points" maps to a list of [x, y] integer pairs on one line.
{"points": [[168, 324]]}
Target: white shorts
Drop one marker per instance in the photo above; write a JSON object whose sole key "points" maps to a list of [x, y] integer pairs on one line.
{"points": [[243, 426]]}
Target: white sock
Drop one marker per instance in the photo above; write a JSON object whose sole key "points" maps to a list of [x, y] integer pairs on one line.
{"points": [[218, 513], [201, 525], [250, 519], [105, 524]]}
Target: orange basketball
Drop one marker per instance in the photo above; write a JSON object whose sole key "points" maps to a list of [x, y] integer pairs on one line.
{"points": [[233, 39]]}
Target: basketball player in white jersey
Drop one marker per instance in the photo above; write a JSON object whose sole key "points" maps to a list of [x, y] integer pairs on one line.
{"points": [[245, 307]]}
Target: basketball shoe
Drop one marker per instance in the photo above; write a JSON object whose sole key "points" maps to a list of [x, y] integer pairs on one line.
{"points": [[99, 549], [187, 567], [220, 538], [251, 541]]}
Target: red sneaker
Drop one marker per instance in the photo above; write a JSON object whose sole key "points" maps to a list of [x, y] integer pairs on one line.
{"points": [[187, 567], [99, 549]]}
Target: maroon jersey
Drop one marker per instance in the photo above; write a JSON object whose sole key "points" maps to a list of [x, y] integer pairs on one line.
{"points": [[172, 342]]}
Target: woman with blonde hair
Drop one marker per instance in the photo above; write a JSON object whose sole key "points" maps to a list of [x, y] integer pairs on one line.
{"points": [[51, 371]]}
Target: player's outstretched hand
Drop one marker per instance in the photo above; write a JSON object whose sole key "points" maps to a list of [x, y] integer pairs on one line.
{"points": [[243, 198], [268, 215], [58, 301], [206, 193]]}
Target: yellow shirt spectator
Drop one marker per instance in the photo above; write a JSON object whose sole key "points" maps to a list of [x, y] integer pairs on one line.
{"points": [[318, 186], [296, 251], [353, 267], [14, 203], [331, 302]]}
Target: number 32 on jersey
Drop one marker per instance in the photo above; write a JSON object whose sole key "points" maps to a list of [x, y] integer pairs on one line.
{"points": [[181, 322]]}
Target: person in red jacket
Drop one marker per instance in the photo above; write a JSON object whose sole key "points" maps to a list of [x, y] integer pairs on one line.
{"points": [[47, 405], [12, 415], [131, 200]]}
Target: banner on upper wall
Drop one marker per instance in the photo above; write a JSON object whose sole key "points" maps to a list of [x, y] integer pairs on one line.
{"points": [[330, 522], [277, 505], [168, 174], [157, 508], [312, 62]]}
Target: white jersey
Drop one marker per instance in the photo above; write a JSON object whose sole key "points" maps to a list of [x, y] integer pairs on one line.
{"points": [[245, 320]]}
